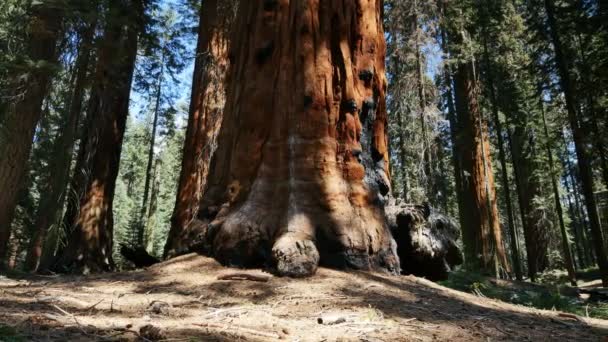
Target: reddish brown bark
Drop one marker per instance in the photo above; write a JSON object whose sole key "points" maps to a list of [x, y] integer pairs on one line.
{"points": [[501, 152], [206, 109], [301, 171], [536, 227], [482, 235], [90, 244], [17, 132]]}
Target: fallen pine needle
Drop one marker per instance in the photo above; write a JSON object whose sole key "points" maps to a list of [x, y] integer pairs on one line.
{"points": [[62, 311]]}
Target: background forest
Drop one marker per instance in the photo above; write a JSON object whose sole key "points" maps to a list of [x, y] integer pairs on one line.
{"points": [[522, 82]]}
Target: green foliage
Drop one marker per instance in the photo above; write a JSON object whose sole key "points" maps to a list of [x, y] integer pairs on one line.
{"points": [[130, 187], [9, 334], [549, 296], [416, 125]]}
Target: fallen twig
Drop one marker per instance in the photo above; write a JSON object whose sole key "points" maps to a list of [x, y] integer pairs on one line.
{"points": [[571, 316], [94, 305], [244, 276], [222, 311], [242, 329], [62, 311]]}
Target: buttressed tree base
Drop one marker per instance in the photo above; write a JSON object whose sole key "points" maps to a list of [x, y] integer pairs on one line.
{"points": [[301, 171]]}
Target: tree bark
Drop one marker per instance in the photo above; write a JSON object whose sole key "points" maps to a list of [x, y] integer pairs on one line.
{"points": [[152, 208], [529, 187], [205, 117], [582, 151], [20, 121], [580, 212], [301, 171], [482, 235], [590, 90], [452, 118], [90, 244], [143, 222], [52, 197], [503, 160], [429, 180], [575, 226], [402, 156]]}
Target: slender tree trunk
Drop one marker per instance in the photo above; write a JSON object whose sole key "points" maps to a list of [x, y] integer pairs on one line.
{"points": [[80, 173], [13, 250], [580, 210], [301, 170], [426, 146], [52, 197], [582, 151], [503, 163], [90, 244], [526, 166], [516, 254], [150, 224], [142, 224], [580, 253], [454, 128], [590, 97], [441, 183], [205, 117], [558, 204], [19, 123], [402, 156], [484, 249], [598, 140]]}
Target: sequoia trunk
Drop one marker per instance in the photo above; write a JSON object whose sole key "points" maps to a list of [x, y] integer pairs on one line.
{"points": [[206, 112], [482, 235], [301, 171], [22, 116], [536, 228], [502, 158], [90, 244]]}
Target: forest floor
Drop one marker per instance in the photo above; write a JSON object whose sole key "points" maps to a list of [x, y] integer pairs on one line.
{"points": [[183, 300]]}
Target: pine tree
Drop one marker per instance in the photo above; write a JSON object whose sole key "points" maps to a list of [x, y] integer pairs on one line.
{"points": [[582, 151], [53, 194]]}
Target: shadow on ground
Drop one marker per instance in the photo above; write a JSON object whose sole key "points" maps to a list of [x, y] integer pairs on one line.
{"points": [[184, 298]]}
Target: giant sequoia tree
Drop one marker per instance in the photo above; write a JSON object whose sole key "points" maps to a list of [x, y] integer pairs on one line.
{"points": [[480, 221], [301, 171], [90, 244], [205, 114]]}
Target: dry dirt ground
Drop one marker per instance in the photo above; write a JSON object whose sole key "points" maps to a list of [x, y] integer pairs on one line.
{"points": [[183, 300]]}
